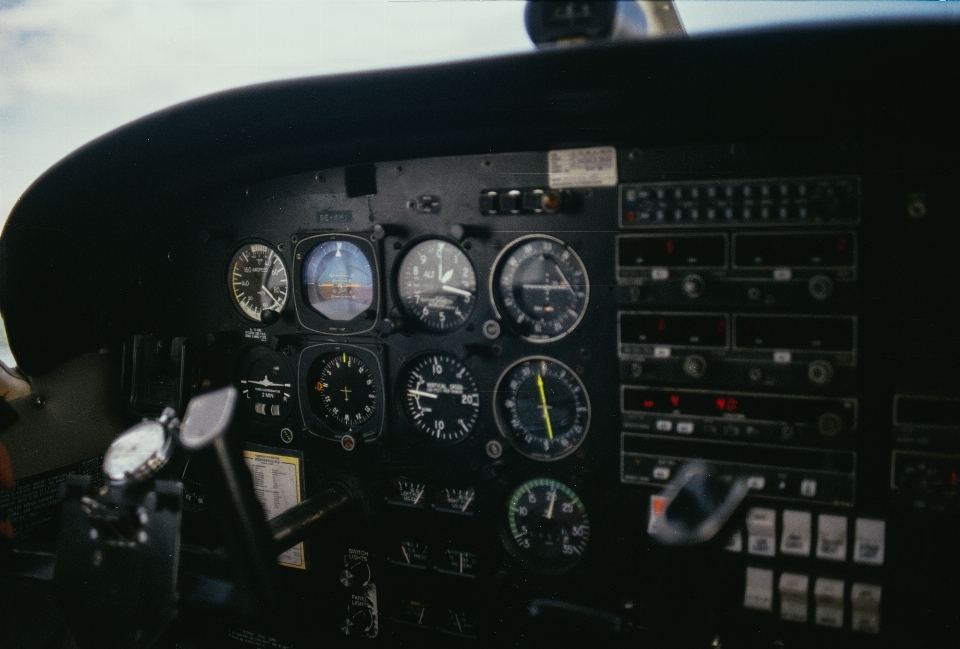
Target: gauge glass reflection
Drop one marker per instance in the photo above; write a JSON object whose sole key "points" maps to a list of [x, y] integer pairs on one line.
{"points": [[542, 408], [258, 280], [547, 526], [338, 280], [541, 288], [437, 285]]}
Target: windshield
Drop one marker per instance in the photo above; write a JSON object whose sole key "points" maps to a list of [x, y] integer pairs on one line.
{"points": [[71, 71]]}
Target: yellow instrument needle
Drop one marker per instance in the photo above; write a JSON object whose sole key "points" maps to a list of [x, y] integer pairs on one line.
{"points": [[543, 404]]}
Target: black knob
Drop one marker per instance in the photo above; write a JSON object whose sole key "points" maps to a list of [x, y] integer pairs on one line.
{"points": [[693, 285], [821, 287], [829, 424], [820, 372], [695, 366], [269, 316]]}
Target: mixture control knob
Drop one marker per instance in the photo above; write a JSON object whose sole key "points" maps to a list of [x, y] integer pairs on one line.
{"points": [[693, 285], [694, 366], [820, 372], [829, 424], [821, 287]]}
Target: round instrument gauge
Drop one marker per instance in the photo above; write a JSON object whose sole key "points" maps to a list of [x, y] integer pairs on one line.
{"points": [[540, 286], [542, 408], [138, 453], [338, 280], [547, 526], [437, 285], [266, 385], [258, 280], [342, 391], [441, 397]]}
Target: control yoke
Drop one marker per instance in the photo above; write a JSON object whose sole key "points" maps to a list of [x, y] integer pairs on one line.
{"points": [[696, 505]]}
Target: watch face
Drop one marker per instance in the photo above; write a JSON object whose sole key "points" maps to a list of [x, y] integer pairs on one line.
{"points": [[138, 452], [437, 285]]}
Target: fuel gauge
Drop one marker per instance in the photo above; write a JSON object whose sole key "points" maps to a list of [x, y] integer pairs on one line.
{"points": [[456, 501], [408, 493]]}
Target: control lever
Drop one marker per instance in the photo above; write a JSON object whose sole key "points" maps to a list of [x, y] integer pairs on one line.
{"points": [[696, 505], [248, 540]]}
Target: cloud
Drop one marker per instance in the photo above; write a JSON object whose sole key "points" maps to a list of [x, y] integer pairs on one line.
{"points": [[71, 70]]}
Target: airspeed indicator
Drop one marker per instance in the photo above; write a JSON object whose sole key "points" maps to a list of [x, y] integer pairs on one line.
{"points": [[258, 280]]}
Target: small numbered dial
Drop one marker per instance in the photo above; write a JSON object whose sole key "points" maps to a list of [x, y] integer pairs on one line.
{"points": [[437, 285], [343, 391], [441, 397], [542, 408], [540, 286], [258, 280], [547, 526]]}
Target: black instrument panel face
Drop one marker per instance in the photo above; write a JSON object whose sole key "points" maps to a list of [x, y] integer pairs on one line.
{"points": [[512, 370]]}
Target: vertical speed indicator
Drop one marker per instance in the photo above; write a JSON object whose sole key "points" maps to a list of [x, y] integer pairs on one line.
{"points": [[441, 397]]}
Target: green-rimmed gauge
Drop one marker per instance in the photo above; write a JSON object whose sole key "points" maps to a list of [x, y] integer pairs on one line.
{"points": [[547, 526], [542, 408]]}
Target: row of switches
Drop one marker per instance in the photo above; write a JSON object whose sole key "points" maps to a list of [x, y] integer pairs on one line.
{"points": [[797, 536], [827, 595]]}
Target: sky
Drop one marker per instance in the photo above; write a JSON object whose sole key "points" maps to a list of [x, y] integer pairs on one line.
{"points": [[71, 70]]}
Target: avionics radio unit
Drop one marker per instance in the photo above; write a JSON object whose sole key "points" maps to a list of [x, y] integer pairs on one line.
{"points": [[783, 270], [783, 420], [738, 350]]}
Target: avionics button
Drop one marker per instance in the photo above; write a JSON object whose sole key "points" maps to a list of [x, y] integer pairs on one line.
{"points": [[664, 425], [868, 545], [828, 596], [758, 593], [762, 531], [865, 608], [685, 427], [793, 596], [831, 537], [808, 488], [756, 482], [661, 473], [796, 533]]}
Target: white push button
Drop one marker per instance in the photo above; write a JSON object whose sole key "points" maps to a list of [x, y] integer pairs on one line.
{"points": [[664, 425], [865, 608], [756, 482], [831, 537], [828, 595], [796, 533], [793, 596], [869, 541], [759, 589], [762, 531], [661, 473], [685, 427]]}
